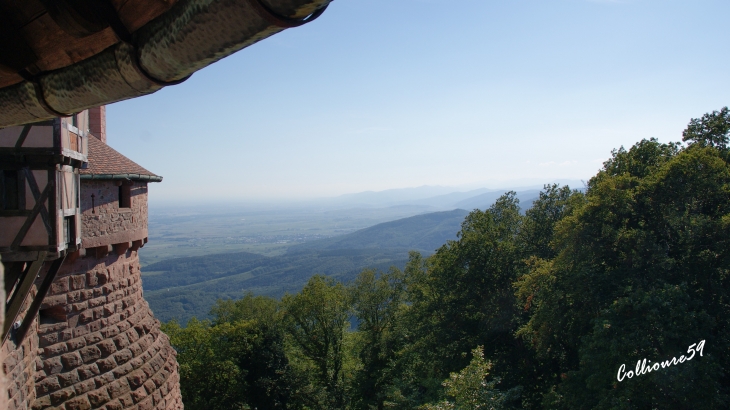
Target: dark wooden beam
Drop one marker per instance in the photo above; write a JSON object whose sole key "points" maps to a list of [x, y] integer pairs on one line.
{"points": [[38, 299], [21, 292]]}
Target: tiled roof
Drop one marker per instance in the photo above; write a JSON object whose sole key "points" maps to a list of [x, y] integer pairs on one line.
{"points": [[106, 161]]}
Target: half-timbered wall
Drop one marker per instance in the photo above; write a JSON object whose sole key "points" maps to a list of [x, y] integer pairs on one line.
{"points": [[39, 186]]}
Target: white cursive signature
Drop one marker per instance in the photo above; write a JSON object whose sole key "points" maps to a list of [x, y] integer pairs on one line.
{"points": [[642, 368]]}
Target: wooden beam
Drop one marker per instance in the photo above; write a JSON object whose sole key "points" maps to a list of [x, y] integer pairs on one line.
{"points": [[36, 194], [18, 298], [29, 221], [38, 299]]}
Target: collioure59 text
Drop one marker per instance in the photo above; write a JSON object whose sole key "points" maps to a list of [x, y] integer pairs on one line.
{"points": [[642, 367]]}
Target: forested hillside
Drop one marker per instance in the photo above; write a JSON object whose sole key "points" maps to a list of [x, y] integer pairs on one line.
{"points": [[181, 288], [612, 298], [424, 233], [191, 288]]}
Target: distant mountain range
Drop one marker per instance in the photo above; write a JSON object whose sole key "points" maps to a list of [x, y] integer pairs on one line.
{"points": [[438, 197]]}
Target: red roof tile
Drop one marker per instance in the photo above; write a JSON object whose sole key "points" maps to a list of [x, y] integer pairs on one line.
{"points": [[105, 160]]}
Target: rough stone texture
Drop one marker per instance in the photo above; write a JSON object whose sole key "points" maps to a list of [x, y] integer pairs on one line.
{"points": [[19, 366], [95, 343], [103, 222]]}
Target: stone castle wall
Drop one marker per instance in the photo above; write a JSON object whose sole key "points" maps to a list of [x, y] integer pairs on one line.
{"points": [[103, 222], [95, 343], [109, 349]]}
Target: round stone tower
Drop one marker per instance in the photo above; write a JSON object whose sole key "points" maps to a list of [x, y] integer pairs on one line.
{"points": [[95, 343]]}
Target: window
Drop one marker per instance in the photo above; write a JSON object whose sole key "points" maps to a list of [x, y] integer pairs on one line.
{"points": [[125, 199], [9, 190], [69, 231]]}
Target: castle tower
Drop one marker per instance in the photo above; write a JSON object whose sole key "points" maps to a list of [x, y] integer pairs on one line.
{"points": [[95, 343]]}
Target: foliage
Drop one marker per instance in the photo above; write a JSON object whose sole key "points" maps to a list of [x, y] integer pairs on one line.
{"points": [[469, 388], [377, 301], [641, 272], [711, 130], [557, 298], [316, 319], [236, 362]]}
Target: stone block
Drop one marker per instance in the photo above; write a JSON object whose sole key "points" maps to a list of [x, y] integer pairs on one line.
{"points": [[137, 379], [68, 379], [93, 338], [71, 360], [118, 388], [80, 331], [90, 354], [75, 297], [135, 349], [84, 387], [96, 302], [86, 316], [123, 356], [61, 396], [124, 326], [127, 400], [51, 301], [48, 339], [146, 404], [41, 403], [47, 385], [77, 307], [79, 403], [91, 279], [139, 395], [88, 371], [106, 347], [104, 379], [76, 344], [107, 364], [77, 282], [110, 331], [94, 326], [59, 285], [113, 405], [132, 335], [98, 397], [53, 365], [121, 341]]}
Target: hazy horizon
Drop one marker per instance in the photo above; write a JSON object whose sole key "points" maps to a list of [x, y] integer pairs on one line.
{"points": [[467, 95]]}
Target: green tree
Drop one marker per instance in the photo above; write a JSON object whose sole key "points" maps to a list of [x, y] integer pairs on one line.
{"points": [[316, 320], [377, 300], [210, 379], [713, 129], [238, 361], [469, 389], [641, 271], [461, 298]]}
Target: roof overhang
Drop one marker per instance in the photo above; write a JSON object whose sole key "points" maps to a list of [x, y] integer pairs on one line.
{"points": [[129, 177], [59, 57]]}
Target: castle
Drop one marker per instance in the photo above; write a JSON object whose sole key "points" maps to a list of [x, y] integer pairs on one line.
{"points": [[75, 330], [78, 333]]}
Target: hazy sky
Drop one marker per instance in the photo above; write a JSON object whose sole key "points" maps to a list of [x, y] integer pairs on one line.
{"points": [[380, 94]]}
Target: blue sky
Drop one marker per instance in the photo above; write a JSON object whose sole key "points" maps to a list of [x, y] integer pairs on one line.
{"points": [[381, 94]]}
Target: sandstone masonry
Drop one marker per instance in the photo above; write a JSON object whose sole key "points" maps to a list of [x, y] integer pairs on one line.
{"points": [[95, 343]]}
